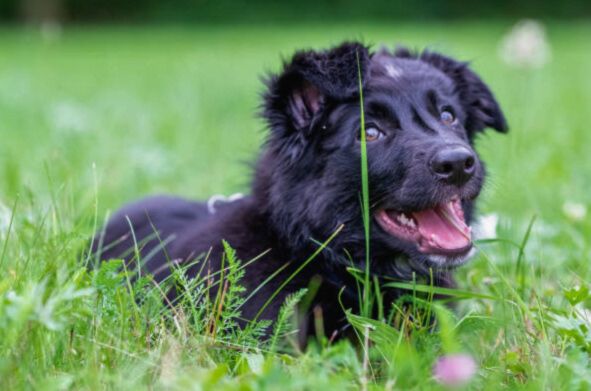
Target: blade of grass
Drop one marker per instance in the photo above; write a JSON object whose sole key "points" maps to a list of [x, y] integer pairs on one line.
{"points": [[512, 291], [497, 240], [265, 282], [431, 290], [94, 217], [8, 231], [364, 192], [297, 271], [519, 266]]}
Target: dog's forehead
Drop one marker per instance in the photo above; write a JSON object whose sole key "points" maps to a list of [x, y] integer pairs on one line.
{"points": [[386, 69]]}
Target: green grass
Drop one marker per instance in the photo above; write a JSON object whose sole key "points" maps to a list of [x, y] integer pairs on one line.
{"points": [[107, 115]]}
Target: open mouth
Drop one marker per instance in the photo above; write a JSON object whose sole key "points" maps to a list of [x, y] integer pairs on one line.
{"points": [[439, 230]]}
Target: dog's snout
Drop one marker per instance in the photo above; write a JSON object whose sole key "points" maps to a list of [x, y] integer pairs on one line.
{"points": [[454, 164]]}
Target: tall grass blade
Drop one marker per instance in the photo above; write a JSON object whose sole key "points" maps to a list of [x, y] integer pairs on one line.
{"points": [[297, 271], [364, 193]]}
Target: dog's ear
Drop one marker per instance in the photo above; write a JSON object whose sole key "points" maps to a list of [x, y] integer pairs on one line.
{"points": [[483, 110], [296, 97]]}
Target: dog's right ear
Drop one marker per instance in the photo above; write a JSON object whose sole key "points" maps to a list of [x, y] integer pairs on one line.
{"points": [[296, 97]]}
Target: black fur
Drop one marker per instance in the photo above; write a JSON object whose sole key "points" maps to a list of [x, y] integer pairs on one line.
{"points": [[307, 179]]}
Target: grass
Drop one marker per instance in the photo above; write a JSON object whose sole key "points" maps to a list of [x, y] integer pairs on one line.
{"points": [[107, 115], [364, 198]]}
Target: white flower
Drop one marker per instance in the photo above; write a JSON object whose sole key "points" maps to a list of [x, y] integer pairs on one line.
{"points": [[69, 117], [5, 217], [486, 226], [154, 161], [525, 46], [574, 210], [583, 313]]}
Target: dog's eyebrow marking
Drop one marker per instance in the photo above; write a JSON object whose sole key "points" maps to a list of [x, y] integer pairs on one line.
{"points": [[431, 99], [393, 71], [379, 109], [419, 121], [385, 113]]}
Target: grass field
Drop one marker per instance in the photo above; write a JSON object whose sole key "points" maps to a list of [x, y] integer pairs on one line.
{"points": [[102, 116]]}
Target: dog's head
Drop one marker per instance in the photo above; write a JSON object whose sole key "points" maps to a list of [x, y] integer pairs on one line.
{"points": [[422, 113]]}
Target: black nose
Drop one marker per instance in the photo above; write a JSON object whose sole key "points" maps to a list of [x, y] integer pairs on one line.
{"points": [[454, 164]]}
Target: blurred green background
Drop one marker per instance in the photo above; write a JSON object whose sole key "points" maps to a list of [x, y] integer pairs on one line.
{"points": [[207, 11], [173, 108], [94, 107]]}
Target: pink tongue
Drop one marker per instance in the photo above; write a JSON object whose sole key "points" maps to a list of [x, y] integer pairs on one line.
{"points": [[450, 230]]}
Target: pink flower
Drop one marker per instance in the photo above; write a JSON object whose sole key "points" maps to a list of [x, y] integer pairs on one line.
{"points": [[454, 370]]}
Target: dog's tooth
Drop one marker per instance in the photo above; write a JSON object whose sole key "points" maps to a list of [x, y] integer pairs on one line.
{"points": [[406, 221], [402, 219]]}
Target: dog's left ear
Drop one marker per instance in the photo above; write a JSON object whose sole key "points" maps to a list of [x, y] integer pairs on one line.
{"points": [[482, 108], [296, 97]]}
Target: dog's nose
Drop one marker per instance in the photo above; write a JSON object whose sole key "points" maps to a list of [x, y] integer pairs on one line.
{"points": [[454, 164]]}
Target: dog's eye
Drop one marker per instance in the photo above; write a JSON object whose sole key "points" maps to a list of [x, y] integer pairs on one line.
{"points": [[447, 117], [373, 134]]}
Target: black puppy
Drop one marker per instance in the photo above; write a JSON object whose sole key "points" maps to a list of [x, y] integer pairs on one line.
{"points": [[422, 113]]}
